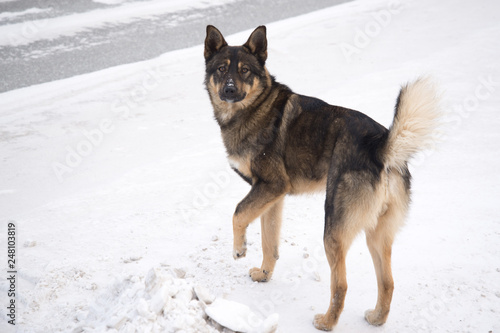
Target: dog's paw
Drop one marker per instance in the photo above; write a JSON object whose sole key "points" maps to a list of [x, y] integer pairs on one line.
{"points": [[259, 275], [375, 318], [239, 247], [238, 254], [322, 323]]}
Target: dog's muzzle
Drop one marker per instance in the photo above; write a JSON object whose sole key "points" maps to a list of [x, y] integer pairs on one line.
{"points": [[229, 93]]}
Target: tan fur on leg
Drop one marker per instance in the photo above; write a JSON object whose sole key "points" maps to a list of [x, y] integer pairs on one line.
{"points": [[380, 240], [270, 228], [260, 198], [336, 247], [380, 249]]}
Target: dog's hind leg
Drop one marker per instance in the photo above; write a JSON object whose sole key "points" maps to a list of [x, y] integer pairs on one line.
{"points": [[380, 245], [336, 250], [379, 241], [352, 204], [270, 228], [342, 223]]}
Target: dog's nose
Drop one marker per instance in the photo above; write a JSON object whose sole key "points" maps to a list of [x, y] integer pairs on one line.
{"points": [[229, 90]]}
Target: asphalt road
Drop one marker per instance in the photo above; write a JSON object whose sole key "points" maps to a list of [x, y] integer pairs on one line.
{"points": [[102, 47]]}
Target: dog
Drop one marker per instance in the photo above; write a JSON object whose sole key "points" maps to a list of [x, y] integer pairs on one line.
{"points": [[284, 143]]}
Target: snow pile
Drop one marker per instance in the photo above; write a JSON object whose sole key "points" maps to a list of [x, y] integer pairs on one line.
{"points": [[160, 302], [163, 301]]}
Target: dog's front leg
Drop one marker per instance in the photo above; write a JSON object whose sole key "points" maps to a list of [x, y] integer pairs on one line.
{"points": [[261, 197], [270, 227]]}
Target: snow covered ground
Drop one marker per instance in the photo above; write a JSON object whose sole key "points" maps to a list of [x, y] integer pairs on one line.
{"points": [[122, 198]]}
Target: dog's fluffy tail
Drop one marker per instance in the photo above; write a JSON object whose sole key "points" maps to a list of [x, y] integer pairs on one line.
{"points": [[416, 119]]}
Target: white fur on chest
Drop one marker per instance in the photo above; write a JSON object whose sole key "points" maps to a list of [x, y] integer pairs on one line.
{"points": [[234, 163], [242, 164]]}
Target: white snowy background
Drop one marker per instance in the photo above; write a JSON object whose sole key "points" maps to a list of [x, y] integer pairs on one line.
{"points": [[119, 186]]}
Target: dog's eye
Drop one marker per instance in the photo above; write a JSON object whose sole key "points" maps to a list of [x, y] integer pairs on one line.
{"points": [[222, 68], [244, 70]]}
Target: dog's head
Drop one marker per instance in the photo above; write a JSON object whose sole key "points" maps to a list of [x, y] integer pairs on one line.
{"points": [[235, 73]]}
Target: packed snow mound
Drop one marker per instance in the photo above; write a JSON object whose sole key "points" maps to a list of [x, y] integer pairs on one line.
{"points": [[163, 301]]}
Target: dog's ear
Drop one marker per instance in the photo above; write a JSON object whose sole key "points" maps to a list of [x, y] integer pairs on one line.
{"points": [[213, 42], [257, 43]]}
